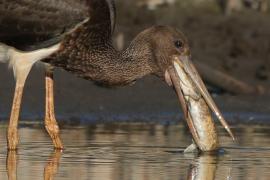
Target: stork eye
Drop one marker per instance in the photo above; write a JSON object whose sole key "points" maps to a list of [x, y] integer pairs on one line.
{"points": [[178, 44]]}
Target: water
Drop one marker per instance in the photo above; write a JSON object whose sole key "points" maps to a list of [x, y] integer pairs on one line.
{"points": [[136, 152]]}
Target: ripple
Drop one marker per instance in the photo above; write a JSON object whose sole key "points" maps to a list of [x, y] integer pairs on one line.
{"points": [[128, 151]]}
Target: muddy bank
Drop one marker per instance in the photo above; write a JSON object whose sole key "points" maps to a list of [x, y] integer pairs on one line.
{"points": [[149, 100]]}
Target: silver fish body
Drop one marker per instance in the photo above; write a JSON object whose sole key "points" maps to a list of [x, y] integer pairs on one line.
{"points": [[204, 124], [198, 115]]}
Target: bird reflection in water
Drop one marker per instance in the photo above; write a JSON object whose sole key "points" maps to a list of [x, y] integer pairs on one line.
{"points": [[205, 166], [12, 165], [202, 166], [50, 169], [52, 165]]}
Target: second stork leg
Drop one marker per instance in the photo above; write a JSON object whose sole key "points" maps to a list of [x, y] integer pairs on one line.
{"points": [[50, 120]]}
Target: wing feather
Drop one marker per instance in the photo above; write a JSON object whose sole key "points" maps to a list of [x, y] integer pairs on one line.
{"points": [[27, 23]]}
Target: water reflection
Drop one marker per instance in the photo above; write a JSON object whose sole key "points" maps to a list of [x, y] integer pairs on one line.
{"points": [[12, 165], [206, 166], [134, 151], [50, 169], [203, 166], [52, 165]]}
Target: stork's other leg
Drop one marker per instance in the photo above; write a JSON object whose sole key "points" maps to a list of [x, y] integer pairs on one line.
{"points": [[12, 134], [50, 121]]}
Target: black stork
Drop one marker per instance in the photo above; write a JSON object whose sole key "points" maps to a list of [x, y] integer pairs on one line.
{"points": [[76, 35]]}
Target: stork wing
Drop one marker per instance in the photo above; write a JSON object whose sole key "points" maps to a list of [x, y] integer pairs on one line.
{"points": [[29, 24]]}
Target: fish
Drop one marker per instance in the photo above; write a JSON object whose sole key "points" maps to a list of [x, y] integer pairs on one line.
{"points": [[197, 104]]}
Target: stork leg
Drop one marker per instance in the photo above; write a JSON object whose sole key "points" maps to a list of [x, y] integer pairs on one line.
{"points": [[50, 121], [12, 133]]}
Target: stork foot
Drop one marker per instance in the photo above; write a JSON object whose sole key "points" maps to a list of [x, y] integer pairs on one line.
{"points": [[53, 130], [50, 120]]}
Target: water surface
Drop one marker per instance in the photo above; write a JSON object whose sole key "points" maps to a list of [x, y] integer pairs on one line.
{"points": [[134, 151]]}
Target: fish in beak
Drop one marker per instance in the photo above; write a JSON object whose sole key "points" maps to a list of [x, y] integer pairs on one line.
{"points": [[195, 101]]}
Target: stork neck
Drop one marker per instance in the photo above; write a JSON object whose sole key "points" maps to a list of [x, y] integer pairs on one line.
{"points": [[124, 67], [96, 59]]}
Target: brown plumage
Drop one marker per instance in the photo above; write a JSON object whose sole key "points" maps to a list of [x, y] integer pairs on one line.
{"points": [[88, 51], [97, 60]]}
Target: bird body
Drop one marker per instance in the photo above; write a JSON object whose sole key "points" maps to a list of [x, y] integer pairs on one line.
{"points": [[76, 35], [85, 44], [30, 25]]}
